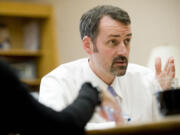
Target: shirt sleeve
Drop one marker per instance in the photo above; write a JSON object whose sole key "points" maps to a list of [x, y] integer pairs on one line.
{"points": [[55, 89]]}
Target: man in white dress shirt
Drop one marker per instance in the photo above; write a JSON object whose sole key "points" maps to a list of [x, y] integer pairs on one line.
{"points": [[106, 35]]}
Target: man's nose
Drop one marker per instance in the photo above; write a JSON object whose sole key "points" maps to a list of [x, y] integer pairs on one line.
{"points": [[122, 49]]}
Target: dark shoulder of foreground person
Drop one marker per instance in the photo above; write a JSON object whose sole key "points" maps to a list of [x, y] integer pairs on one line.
{"points": [[21, 113]]}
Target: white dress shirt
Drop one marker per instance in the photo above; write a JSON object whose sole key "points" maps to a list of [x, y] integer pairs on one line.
{"points": [[135, 89]]}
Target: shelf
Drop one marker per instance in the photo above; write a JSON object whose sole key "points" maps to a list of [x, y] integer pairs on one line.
{"points": [[25, 10], [35, 82], [19, 52], [16, 16]]}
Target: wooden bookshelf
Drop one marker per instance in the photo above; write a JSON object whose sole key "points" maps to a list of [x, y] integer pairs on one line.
{"points": [[16, 16], [34, 82], [20, 52]]}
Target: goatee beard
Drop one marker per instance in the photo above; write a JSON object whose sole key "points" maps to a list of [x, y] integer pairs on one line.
{"points": [[119, 70]]}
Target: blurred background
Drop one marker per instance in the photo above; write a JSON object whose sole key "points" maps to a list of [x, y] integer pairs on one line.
{"points": [[155, 27]]}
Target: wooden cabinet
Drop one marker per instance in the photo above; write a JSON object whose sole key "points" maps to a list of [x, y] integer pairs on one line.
{"points": [[15, 17]]}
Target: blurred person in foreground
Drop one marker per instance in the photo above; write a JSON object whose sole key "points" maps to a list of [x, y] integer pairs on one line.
{"points": [[22, 114]]}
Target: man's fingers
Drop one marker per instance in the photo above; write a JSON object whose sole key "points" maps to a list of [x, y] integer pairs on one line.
{"points": [[158, 65], [171, 61], [118, 119], [168, 69], [172, 70], [170, 66], [104, 114], [118, 114], [166, 65], [172, 75]]}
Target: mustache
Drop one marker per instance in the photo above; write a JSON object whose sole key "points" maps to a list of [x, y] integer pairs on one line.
{"points": [[120, 58]]}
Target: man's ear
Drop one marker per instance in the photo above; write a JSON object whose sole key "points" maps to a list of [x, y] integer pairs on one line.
{"points": [[87, 45]]}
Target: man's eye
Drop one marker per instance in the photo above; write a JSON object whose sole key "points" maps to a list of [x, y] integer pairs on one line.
{"points": [[113, 42], [127, 41]]}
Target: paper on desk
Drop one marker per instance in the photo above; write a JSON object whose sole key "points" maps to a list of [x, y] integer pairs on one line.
{"points": [[104, 125]]}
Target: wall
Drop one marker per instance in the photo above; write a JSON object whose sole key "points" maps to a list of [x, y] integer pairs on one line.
{"points": [[154, 22]]}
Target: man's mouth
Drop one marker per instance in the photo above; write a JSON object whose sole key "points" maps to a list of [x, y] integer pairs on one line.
{"points": [[120, 63]]}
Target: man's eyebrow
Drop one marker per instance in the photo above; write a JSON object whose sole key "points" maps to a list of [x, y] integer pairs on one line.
{"points": [[114, 35], [130, 34]]}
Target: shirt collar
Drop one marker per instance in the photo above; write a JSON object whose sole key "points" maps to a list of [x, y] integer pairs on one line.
{"points": [[93, 78]]}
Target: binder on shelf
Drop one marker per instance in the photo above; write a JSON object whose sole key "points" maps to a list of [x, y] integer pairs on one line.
{"points": [[25, 70], [4, 37], [31, 36]]}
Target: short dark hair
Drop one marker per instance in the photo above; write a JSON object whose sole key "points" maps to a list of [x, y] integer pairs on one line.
{"points": [[89, 21]]}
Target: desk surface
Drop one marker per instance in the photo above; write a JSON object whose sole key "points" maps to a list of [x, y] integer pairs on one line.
{"points": [[166, 126]]}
